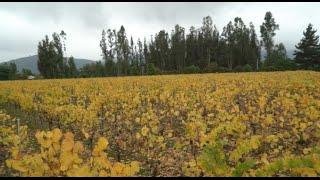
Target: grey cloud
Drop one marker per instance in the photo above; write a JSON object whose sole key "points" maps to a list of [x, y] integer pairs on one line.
{"points": [[83, 21], [90, 14]]}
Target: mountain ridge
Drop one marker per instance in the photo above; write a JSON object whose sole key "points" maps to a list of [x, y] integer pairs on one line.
{"points": [[30, 62]]}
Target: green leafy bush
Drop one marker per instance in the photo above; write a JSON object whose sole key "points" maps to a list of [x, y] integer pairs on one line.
{"points": [[192, 69]]}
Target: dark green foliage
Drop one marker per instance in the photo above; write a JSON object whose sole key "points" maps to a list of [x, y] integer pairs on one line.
{"points": [[239, 45], [316, 68], [4, 72], [247, 68], [213, 159], [236, 49], [307, 55], [152, 69], [178, 48], [73, 72], [223, 69], [134, 69], [8, 71], [238, 69], [25, 73], [110, 68], [122, 52], [52, 63], [192, 69], [278, 60], [93, 70], [212, 67], [267, 30], [12, 71], [243, 167], [281, 66], [201, 50]]}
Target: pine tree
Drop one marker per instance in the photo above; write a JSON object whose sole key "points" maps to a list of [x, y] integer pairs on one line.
{"points": [[307, 54]]}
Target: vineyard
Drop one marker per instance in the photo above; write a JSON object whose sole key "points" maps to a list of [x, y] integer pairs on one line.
{"points": [[231, 124]]}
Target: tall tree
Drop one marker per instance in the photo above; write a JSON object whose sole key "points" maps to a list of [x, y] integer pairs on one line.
{"points": [[51, 61], [229, 38], [162, 48], [72, 67], [58, 58], [308, 49], [153, 56], [191, 47], [145, 54], [131, 52], [12, 71], [46, 61], [63, 36], [140, 56], [241, 34], [178, 48], [254, 58], [123, 51], [110, 64], [280, 51], [267, 30], [103, 46], [207, 32]]}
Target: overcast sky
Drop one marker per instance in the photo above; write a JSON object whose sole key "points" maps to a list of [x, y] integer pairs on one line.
{"points": [[23, 25]]}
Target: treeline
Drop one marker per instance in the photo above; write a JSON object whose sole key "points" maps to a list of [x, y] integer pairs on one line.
{"points": [[197, 50], [8, 71], [200, 50], [236, 49]]}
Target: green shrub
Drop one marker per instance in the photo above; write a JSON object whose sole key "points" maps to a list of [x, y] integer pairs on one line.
{"points": [[191, 69], [238, 69], [212, 67], [223, 69], [247, 68], [152, 69]]}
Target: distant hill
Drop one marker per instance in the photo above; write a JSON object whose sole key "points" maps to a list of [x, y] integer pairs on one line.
{"points": [[31, 63]]}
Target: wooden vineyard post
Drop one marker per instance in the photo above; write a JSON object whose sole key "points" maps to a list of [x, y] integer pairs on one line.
{"points": [[18, 126]]}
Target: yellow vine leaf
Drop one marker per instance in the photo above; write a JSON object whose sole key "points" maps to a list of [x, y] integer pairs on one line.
{"points": [[56, 135], [144, 131], [102, 143]]}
